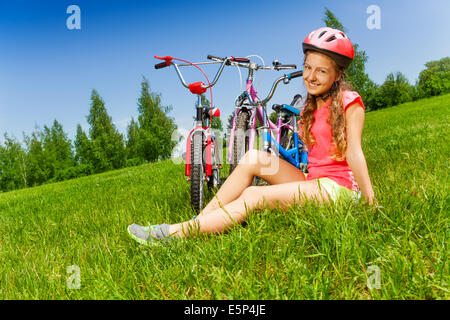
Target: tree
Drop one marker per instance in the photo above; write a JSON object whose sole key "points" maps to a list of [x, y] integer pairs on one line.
{"points": [[38, 164], [355, 73], [57, 148], [132, 144], [82, 147], [374, 99], [107, 145], [435, 80], [332, 22], [230, 121], [155, 127], [48, 152], [273, 117], [13, 166], [395, 90]]}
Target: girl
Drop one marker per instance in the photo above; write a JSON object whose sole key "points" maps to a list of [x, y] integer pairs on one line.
{"points": [[331, 125]]}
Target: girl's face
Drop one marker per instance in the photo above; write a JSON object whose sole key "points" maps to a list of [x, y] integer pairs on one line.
{"points": [[319, 73]]}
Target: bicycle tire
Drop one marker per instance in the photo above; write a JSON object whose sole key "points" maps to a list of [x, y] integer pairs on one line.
{"points": [[284, 138], [240, 142], [197, 171], [214, 179]]}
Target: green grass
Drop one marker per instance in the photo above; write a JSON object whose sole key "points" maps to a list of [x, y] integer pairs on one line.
{"points": [[309, 252]]}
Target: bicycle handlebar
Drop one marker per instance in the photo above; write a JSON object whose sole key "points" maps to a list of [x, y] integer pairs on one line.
{"points": [[242, 60], [211, 57], [296, 74], [161, 65], [234, 61], [285, 78], [168, 62], [230, 59], [245, 63], [289, 66]]}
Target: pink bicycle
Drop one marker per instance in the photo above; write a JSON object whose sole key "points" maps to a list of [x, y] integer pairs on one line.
{"points": [[250, 109]]}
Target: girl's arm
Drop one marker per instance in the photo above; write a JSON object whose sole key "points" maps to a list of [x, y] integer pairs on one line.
{"points": [[354, 118]]}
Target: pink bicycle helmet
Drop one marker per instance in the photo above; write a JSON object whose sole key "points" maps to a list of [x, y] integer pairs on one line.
{"points": [[332, 42]]}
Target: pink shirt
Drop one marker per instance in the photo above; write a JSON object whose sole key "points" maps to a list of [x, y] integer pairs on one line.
{"points": [[319, 162]]}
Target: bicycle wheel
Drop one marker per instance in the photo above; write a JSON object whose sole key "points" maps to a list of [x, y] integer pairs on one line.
{"points": [[286, 136], [240, 143], [197, 176], [214, 180]]}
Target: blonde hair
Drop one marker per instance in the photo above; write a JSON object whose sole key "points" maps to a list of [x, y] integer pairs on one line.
{"points": [[336, 118]]}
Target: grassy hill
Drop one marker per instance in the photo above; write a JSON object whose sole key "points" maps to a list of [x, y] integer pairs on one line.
{"points": [[309, 252]]}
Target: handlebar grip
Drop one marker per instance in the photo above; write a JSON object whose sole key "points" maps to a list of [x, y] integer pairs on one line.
{"points": [[296, 74], [211, 57], [288, 66], [277, 107], [297, 99], [243, 60], [161, 65]]}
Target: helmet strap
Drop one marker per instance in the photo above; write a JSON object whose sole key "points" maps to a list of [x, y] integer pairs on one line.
{"points": [[327, 94]]}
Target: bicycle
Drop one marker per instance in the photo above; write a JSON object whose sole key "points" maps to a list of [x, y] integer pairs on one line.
{"points": [[290, 147], [203, 162], [243, 130]]}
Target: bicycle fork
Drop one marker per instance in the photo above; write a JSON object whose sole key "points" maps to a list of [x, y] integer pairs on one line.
{"points": [[267, 137], [208, 143]]}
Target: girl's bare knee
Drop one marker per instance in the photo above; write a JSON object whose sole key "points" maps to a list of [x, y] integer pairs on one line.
{"points": [[250, 157], [259, 162], [255, 197], [249, 192]]}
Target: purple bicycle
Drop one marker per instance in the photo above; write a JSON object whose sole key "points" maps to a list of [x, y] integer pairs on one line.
{"points": [[250, 109]]}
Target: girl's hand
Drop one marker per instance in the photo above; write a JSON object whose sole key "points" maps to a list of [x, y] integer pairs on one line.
{"points": [[369, 196], [372, 200]]}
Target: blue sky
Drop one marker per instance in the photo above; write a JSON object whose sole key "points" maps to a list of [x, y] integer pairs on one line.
{"points": [[47, 72]]}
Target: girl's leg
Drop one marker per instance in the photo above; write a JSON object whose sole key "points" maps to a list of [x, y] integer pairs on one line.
{"points": [[253, 197], [231, 189], [254, 163]]}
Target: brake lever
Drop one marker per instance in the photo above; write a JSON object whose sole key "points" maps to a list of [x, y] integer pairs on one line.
{"points": [[276, 64]]}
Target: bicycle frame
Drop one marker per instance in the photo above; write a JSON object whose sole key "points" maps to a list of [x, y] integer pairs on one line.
{"points": [[293, 155], [259, 114], [210, 140], [198, 88]]}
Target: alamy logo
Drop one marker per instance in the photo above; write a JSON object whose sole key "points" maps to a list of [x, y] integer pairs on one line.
{"points": [[374, 20], [74, 280], [374, 279], [74, 20]]}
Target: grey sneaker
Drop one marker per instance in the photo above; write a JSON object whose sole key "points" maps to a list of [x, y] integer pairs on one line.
{"points": [[150, 235]]}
